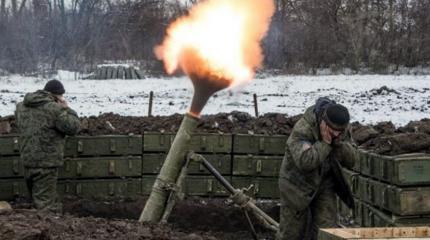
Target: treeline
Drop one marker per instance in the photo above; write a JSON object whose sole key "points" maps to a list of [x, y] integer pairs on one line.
{"points": [[44, 35]]}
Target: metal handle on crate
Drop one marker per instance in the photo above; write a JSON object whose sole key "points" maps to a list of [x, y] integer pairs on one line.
{"points": [[15, 144], [111, 167], [259, 166], [112, 145], [210, 186], [15, 167], [203, 142], [80, 146], [261, 144], [79, 168]]}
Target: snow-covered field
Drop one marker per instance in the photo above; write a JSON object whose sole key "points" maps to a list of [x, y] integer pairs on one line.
{"points": [[409, 100]]}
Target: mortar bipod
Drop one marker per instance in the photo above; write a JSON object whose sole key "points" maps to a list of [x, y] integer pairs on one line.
{"points": [[238, 196]]}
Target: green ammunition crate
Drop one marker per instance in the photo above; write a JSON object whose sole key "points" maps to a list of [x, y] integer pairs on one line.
{"points": [[108, 145], [12, 188], [117, 166], [399, 200], [259, 144], [153, 162], [102, 189], [402, 170], [406, 233], [201, 143], [261, 187], [255, 165], [9, 145], [368, 163], [351, 178], [11, 167], [373, 217], [204, 186]]}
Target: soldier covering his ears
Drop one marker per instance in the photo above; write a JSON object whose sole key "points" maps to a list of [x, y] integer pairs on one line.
{"points": [[44, 119], [310, 173]]}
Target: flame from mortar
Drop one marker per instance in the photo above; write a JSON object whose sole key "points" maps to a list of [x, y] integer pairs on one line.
{"points": [[217, 45]]}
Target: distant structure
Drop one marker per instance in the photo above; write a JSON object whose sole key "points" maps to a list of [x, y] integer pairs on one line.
{"points": [[116, 71]]}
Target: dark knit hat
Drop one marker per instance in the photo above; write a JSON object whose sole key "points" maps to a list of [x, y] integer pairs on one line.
{"points": [[336, 116], [55, 87]]}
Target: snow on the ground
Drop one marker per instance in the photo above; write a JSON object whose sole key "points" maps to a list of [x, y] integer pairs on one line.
{"points": [[410, 99]]}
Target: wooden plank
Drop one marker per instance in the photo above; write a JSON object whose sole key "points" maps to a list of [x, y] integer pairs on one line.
{"points": [[375, 233]]}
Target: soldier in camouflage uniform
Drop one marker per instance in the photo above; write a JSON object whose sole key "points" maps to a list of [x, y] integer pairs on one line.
{"points": [[319, 142], [44, 119]]}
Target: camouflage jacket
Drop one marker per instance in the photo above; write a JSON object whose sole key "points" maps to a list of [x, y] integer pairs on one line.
{"points": [[43, 125], [305, 168]]}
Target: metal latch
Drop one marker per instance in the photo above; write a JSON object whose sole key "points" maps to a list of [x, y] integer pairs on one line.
{"points": [[259, 166], [16, 144], [112, 145], [15, 167], [161, 139], [210, 185], [79, 168], [203, 143], [250, 161], [261, 144], [80, 146], [111, 167], [67, 188], [256, 188], [130, 163]]}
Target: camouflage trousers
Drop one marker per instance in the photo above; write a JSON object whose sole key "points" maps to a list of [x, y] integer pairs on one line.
{"points": [[304, 225], [42, 186]]}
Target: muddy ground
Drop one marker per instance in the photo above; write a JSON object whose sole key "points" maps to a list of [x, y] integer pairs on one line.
{"points": [[382, 138], [192, 219]]}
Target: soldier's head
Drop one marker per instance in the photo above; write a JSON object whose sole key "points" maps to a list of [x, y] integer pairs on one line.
{"points": [[336, 116], [55, 87]]}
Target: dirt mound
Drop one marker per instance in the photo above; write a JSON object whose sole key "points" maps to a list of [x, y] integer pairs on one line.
{"points": [[383, 137], [399, 143], [193, 219], [235, 122], [30, 224]]}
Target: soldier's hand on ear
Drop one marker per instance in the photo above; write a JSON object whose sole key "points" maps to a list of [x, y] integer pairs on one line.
{"points": [[325, 132], [62, 101]]}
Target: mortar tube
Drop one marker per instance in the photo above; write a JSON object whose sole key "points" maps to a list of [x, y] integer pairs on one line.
{"points": [[170, 171]]}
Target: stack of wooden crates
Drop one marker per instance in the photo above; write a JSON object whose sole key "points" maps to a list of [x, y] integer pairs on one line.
{"points": [[389, 191]]}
